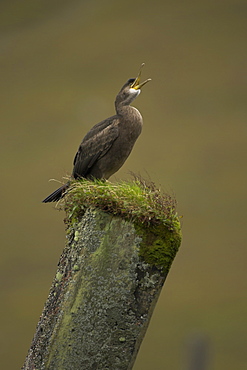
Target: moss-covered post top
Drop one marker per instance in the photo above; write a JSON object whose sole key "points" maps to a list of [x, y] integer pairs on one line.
{"points": [[152, 212]]}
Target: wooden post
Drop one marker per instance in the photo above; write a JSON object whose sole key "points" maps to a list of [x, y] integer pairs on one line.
{"points": [[108, 280]]}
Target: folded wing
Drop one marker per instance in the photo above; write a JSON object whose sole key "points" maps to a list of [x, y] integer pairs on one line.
{"points": [[94, 146]]}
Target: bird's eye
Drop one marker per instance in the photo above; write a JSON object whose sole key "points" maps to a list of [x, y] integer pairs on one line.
{"points": [[131, 81]]}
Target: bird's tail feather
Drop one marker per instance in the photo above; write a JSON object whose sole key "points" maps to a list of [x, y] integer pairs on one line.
{"points": [[57, 194]]}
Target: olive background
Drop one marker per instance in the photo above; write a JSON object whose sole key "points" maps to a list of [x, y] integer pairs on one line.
{"points": [[61, 65]]}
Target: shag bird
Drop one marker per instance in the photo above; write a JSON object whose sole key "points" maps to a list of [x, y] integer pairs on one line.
{"points": [[108, 144]]}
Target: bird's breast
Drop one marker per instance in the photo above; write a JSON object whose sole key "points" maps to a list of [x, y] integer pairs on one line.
{"points": [[131, 124]]}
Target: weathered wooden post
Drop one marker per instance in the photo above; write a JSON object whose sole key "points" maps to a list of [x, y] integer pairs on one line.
{"points": [[121, 241]]}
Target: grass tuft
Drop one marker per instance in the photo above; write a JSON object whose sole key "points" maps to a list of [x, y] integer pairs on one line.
{"points": [[139, 201]]}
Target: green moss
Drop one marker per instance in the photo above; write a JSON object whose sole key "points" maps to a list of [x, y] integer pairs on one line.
{"points": [[152, 211], [137, 201], [159, 244]]}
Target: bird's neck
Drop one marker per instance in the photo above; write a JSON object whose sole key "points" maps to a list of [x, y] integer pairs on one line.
{"points": [[128, 112]]}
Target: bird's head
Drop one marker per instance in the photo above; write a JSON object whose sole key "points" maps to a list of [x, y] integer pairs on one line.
{"points": [[131, 89]]}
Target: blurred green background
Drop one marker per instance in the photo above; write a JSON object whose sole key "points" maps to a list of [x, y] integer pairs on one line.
{"points": [[62, 63]]}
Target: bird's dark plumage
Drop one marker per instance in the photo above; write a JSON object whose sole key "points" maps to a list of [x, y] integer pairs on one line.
{"points": [[108, 144]]}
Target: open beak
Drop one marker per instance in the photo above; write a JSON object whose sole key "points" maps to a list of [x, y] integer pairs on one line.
{"points": [[136, 84]]}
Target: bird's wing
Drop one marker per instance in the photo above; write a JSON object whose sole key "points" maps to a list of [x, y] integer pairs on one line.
{"points": [[101, 126], [94, 147]]}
